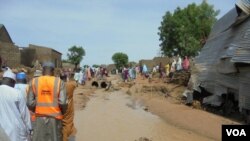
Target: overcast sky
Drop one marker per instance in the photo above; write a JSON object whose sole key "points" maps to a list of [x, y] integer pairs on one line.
{"points": [[101, 27]]}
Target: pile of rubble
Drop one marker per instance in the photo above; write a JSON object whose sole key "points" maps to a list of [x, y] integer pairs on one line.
{"points": [[143, 139], [180, 78], [154, 89]]}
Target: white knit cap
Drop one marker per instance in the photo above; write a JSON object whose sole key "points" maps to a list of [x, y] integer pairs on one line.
{"points": [[9, 74]]}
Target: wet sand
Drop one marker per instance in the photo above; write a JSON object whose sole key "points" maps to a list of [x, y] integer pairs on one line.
{"points": [[116, 116]]}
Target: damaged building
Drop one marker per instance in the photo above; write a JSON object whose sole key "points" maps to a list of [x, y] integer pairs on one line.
{"points": [[156, 61], [13, 56], [33, 53], [9, 52], [223, 66]]}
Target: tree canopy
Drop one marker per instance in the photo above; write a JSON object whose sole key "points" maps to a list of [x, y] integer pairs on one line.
{"points": [[185, 31], [75, 55], [120, 59], [95, 66]]}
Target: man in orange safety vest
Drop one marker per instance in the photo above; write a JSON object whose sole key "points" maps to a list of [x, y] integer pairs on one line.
{"points": [[48, 100]]}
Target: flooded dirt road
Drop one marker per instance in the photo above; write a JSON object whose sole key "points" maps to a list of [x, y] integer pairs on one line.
{"points": [[116, 117]]}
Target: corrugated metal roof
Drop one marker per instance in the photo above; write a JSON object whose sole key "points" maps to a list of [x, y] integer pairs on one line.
{"points": [[244, 5], [224, 23], [226, 45], [242, 51], [242, 55]]}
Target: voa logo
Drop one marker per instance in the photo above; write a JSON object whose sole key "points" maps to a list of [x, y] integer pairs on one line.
{"points": [[236, 132]]}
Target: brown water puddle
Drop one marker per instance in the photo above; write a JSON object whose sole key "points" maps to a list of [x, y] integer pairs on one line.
{"points": [[116, 117]]}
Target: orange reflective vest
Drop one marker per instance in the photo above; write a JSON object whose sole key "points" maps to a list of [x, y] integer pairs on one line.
{"points": [[47, 90]]}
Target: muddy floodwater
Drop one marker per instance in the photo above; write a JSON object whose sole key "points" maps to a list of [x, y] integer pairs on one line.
{"points": [[116, 117]]}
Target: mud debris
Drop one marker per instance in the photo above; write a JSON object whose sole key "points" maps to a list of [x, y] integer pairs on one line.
{"points": [[143, 139]]}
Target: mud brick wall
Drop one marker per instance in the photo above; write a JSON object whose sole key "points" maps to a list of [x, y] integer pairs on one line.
{"points": [[68, 66], [149, 63], [110, 67], [163, 60], [28, 57], [10, 53], [44, 54], [57, 57], [156, 61], [4, 35]]}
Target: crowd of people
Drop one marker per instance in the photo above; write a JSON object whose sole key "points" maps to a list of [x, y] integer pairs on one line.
{"points": [[132, 72], [87, 73], [40, 109]]}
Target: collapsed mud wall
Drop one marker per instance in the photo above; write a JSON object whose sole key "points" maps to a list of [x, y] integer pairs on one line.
{"points": [[10, 54], [28, 57]]}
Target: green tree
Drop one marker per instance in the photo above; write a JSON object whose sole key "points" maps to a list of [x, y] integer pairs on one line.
{"points": [[185, 31], [120, 59], [75, 55], [95, 66], [85, 66], [65, 61]]}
